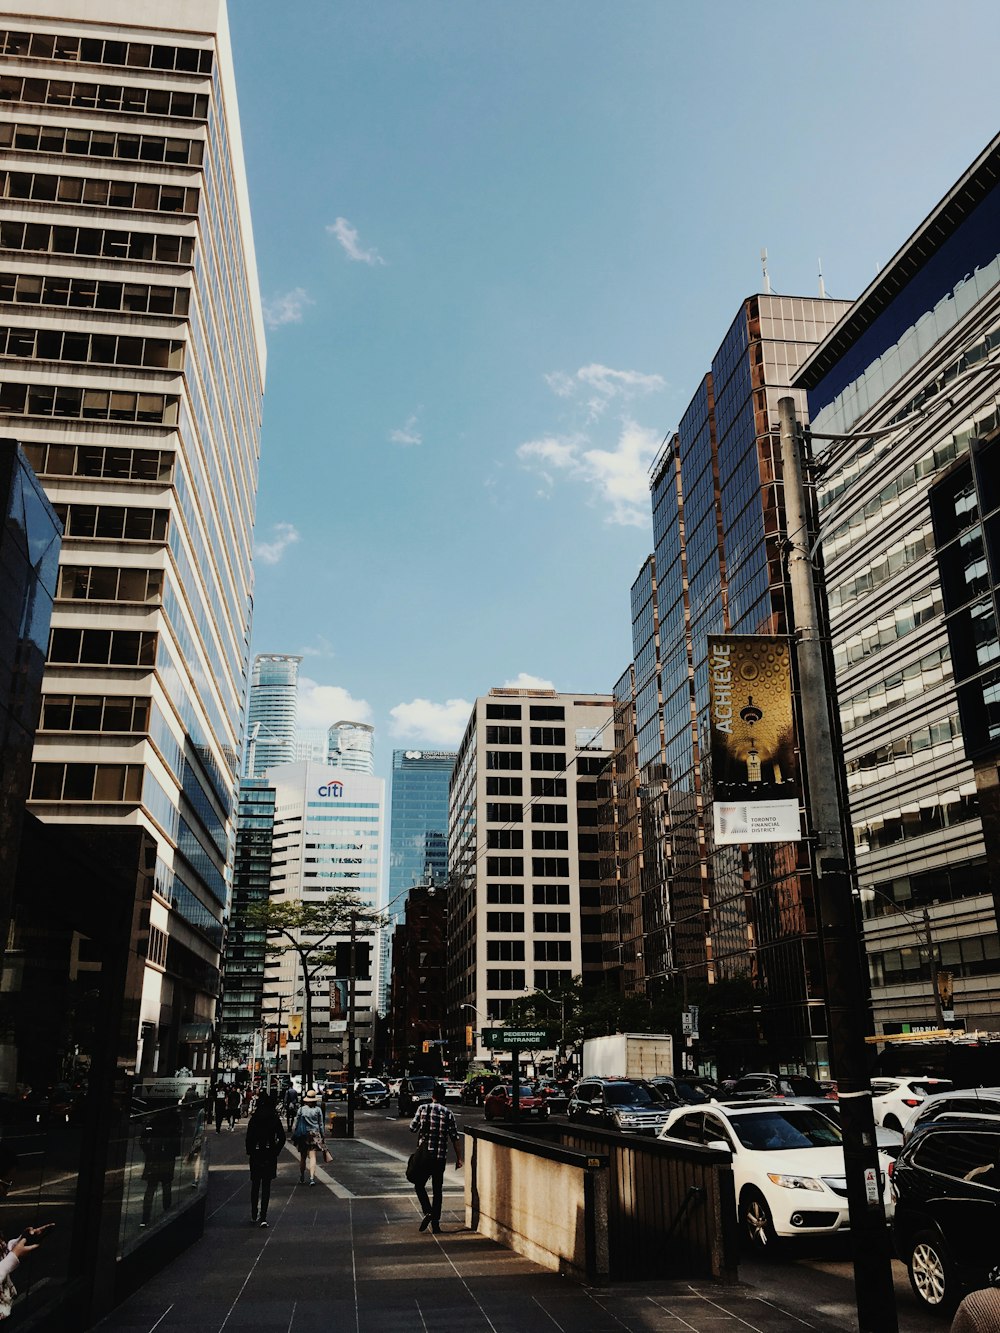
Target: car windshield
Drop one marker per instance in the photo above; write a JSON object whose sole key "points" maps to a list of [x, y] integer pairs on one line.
{"points": [[786, 1129], [802, 1086], [691, 1093], [927, 1085], [422, 1084], [626, 1094]]}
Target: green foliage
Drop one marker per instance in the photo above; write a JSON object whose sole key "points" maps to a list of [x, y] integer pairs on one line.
{"points": [[309, 929]]}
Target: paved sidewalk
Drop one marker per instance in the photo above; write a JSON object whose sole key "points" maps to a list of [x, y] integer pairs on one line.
{"points": [[347, 1255]]}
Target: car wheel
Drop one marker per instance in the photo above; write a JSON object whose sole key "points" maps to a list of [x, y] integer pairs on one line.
{"points": [[932, 1275], [891, 1122], [756, 1224]]}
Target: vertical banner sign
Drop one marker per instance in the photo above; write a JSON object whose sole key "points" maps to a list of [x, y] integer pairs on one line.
{"points": [[338, 1004], [755, 776]]}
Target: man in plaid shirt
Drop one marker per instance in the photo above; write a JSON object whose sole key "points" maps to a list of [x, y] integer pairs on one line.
{"points": [[435, 1125]]}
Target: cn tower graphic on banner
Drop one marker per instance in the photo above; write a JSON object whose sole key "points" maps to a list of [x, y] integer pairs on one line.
{"points": [[755, 777]]}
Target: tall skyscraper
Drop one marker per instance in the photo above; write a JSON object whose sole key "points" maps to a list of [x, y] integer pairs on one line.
{"points": [[272, 711], [722, 913], [133, 365], [527, 779], [910, 514], [418, 836], [351, 745]]}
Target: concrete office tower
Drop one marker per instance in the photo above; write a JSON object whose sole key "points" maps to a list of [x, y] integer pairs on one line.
{"points": [[524, 869], [328, 834], [738, 914], [351, 745], [418, 836], [133, 367], [272, 709], [911, 545]]}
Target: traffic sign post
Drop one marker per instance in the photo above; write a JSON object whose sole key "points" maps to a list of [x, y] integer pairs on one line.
{"points": [[513, 1039]]}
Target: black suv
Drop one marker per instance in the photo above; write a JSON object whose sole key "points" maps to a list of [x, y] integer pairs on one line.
{"points": [[414, 1092], [617, 1103], [946, 1183]]}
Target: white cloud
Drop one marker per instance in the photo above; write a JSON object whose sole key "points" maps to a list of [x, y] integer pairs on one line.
{"points": [[287, 309], [285, 535], [618, 477], [348, 238], [407, 434], [322, 705], [423, 720], [602, 385], [525, 681]]}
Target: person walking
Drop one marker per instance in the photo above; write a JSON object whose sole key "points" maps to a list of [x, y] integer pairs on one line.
{"points": [[265, 1139], [219, 1106], [291, 1105], [160, 1142], [434, 1125], [233, 1101], [308, 1135]]}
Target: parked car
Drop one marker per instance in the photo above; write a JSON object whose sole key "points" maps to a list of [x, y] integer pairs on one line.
{"points": [[678, 1091], [895, 1099], [474, 1090], [452, 1090], [946, 1184], [499, 1103], [788, 1166], [957, 1104], [413, 1092], [556, 1098], [775, 1085], [889, 1141], [617, 1103], [371, 1092]]}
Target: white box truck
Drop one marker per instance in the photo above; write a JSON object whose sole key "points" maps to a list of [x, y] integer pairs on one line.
{"points": [[629, 1055]]}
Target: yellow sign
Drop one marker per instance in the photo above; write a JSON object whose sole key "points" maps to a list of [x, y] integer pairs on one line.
{"points": [[468, 1037], [295, 1026]]}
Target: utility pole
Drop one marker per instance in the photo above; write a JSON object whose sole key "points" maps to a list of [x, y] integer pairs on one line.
{"points": [[846, 978], [351, 986]]}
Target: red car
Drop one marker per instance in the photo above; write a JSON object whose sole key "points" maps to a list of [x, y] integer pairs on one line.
{"points": [[500, 1100]]}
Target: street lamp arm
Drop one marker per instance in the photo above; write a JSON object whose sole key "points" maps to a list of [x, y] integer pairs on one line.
{"points": [[922, 929]]}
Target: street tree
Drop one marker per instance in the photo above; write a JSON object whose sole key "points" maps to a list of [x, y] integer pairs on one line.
{"points": [[310, 930]]}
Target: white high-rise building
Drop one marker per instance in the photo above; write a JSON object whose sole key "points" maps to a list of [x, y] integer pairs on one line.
{"points": [[272, 710], [133, 369], [328, 834], [351, 745]]}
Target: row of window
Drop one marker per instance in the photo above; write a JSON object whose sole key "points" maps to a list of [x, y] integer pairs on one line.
{"points": [[96, 242], [536, 712], [85, 293], [94, 712], [883, 567], [539, 735], [540, 893], [47, 400], [102, 647], [496, 786], [114, 522], [86, 782], [963, 958], [512, 979], [156, 947], [96, 460], [100, 349], [546, 763], [512, 923], [104, 97], [942, 810], [890, 628], [96, 51], [557, 866], [899, 754], [910, 682], [42, 187], [543, 951], [106, 583], [556, 840], [127, 146]]}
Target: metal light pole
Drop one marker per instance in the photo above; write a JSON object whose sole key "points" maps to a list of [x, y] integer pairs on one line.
{"points": [[846, 977], [922, 927]]}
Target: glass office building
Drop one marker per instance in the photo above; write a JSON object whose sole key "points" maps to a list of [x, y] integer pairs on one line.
{"points": [[911, 544], [272, 711]]}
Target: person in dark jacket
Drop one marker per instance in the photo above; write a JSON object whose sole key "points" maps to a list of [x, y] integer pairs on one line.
{"points": [[160, 1142], [265, 1139]]}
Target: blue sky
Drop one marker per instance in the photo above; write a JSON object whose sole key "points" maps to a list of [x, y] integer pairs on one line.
{"points": [[498, 246]]}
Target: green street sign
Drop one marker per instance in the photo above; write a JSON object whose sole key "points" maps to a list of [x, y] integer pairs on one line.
{"points": [[492, 1038]]}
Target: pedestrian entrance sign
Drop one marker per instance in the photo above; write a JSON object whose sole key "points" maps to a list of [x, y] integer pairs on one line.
{"points": [[492, 1038]]}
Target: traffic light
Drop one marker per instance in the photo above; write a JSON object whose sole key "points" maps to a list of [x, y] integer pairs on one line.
{"points": [[426, 1048], [362, 960], [468, 1036]]}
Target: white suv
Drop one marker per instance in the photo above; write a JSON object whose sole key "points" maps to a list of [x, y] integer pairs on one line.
{"points": [[895, 1099], [788, 1166]]}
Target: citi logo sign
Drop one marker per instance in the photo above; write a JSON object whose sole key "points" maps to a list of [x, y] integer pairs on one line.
{"points": [[332, 789]]}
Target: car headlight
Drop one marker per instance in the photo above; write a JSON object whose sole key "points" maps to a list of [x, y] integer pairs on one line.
{"points": [[625, 1118], [794, 1182]]}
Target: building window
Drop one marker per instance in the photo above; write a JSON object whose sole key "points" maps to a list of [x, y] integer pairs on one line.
{"points": [[46, 400], [505, 978], [156, 949], [551, 979], [504, 837], [76, 141], [102, 647], [503, 812], [503, 786], [96, 242], [549, 763], [498, 1011], [548, 735], [542, 866], [503, 735], [550, 893], [547, 713], [505, 951], [509, 923], [132, 101], [112, 523], [552, 951], [494, 758], [40, 187], [84, 712], [504, 865], [548, 814], [95, 51], [91, 348], [90, 460], [510, 712], [548, 786], [105, 583], [505, 893], [551, 923], [553, 840], [87, 782]]}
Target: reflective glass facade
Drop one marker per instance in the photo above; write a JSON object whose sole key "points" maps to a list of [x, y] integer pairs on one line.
{"points": [[272, 710]]}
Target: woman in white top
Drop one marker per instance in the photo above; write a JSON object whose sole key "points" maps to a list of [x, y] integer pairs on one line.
{"points": [[308, 1135]]}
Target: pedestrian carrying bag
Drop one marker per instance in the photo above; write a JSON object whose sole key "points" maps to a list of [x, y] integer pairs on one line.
{"points": [[327, 1155], [418, 1166]]}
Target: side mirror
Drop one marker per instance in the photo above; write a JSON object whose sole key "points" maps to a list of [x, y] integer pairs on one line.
{"points": [[719, 1145]]}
